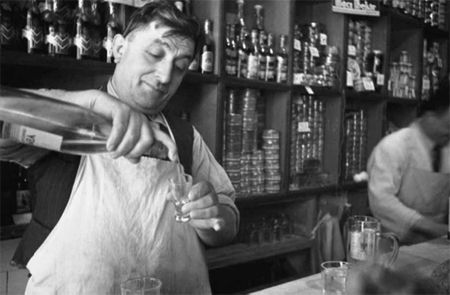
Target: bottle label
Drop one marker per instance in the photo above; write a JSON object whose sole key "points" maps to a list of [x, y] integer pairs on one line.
{"points": [[242, 64], [297, 45], [230, 64], [281, 70], [303, 127], [270, 68], [262, 67], [207, 62], [323, 39], [31, 136], [253, 63]]}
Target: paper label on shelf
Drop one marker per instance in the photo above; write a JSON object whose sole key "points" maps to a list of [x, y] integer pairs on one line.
{"points": [[426, 84], [297, 45], [309, 90], [349, 79], [303, 127], [323, 39], [351, 50], [32, 136], [298, 78], [314, 51], [368, 84], [380, 79]]}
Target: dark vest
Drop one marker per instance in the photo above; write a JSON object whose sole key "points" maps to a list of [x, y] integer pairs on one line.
{"points": [[51, 180]]}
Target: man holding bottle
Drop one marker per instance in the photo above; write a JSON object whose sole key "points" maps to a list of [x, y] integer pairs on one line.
{"points": [[152, 57]]}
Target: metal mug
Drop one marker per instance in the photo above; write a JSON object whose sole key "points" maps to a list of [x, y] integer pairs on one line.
{"points": [[366, 242]]}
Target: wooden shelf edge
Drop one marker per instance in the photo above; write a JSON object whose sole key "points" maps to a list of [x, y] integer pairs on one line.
{"points": [[317, 90], [242, 253], [364, 95], [249, 83], [403, 101]]}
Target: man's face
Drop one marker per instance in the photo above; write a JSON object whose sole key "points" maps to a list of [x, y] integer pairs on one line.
{"points": [[439, 127], [150, 66]]}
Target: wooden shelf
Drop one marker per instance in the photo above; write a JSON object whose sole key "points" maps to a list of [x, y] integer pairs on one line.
{"points": [[401, 17], [435, 33], [365, 96], [194, 77], [403, 101], [249, 83], [317, 90], [242, 253]]}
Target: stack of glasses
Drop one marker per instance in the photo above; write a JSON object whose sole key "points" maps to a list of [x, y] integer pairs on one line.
{"points": [[355, 143], [271, 147]]}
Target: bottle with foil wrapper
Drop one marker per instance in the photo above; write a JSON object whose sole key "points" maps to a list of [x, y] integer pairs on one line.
{"points": [[53, 124]]}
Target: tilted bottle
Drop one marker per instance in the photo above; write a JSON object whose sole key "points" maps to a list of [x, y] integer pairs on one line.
{"points": [[207, 54]]}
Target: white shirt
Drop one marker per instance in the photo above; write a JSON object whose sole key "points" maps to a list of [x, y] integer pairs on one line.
{"points": [[407, 148]]}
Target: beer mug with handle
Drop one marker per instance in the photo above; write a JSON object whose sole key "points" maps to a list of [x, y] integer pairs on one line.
{"points": [[366, 242]]}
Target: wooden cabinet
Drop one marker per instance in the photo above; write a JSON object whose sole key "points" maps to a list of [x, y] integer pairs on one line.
{"points": [[204, 97]]}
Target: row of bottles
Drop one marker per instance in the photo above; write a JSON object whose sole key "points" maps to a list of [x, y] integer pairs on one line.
{"points": [[432, 68], [431, 11], [251, 150], [315, 62], [364, 65], [83, 29], [402, 80], [254, 58]]}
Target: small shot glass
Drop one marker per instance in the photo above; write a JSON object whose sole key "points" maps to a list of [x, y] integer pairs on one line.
{"points": [[179, 190]]}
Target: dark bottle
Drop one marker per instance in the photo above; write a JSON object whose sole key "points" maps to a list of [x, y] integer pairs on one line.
{"points": [[112, 28], [8, 31], [262, 57], [33, 30], [63, 40], [271, 60], [231, 52], [23, 194], [297, 51], [83, 40], [96, 32], [243, 53], [207, 58], [49, 24], [253, 62], [259, 18], [282, 61]]}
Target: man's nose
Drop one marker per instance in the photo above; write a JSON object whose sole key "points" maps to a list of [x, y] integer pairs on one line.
{"points": [[164, 71]]}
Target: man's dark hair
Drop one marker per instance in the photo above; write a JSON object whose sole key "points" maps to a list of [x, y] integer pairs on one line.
{"points": [[440, 100], [168, 15]]}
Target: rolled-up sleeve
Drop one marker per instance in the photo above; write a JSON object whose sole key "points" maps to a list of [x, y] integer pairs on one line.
{"points": [[385, 168], [206, 168]]}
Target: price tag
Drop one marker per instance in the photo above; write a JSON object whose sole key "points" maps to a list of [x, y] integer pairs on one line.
{"points": [[351, 50], [314, 51], [309, 90], [297, 45], [323, 39], [380, 79], [368, 84], [303, 127], [426, 84], [349, 79], [297, 79]]}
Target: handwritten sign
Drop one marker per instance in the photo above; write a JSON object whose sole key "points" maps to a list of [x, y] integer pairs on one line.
{"points": [[359, 7]]}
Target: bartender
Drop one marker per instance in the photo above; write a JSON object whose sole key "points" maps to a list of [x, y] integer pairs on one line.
{"points": [[101, 219], [409, 174]]}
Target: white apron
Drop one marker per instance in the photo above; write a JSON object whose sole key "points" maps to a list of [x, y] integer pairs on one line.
{"points": [[116, 225], [428, 193]]}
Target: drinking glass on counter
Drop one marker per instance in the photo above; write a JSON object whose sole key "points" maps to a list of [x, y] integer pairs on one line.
{"points": [[334, 277], [141, 286], [179, 190]]}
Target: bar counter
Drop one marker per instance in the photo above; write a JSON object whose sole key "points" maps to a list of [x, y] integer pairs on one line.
{"points": [[421, 259]]}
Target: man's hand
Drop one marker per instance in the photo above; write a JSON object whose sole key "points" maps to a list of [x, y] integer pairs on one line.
{"points": [[132, 134], [214, 222]]}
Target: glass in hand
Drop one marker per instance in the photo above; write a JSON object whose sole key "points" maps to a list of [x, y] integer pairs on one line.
{"points": [[179, 190]]}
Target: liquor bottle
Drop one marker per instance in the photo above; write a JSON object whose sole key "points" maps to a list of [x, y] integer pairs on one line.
{"points": [[262, 57], [230, 52], [83, 40], [23, 194], [63, 40], [33, 30], [49, 25], [282, 61], [243, 53], [95, 21], [8, 32], [239, 22], [253, 62], [259, 18], [53, 124], [207, 58], [112, 28], [271, 60], [298, 66]]}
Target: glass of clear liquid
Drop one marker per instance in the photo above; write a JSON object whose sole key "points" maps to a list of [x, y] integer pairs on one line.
{"points": [[141, 286], [179, 190], [334, 277]]}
